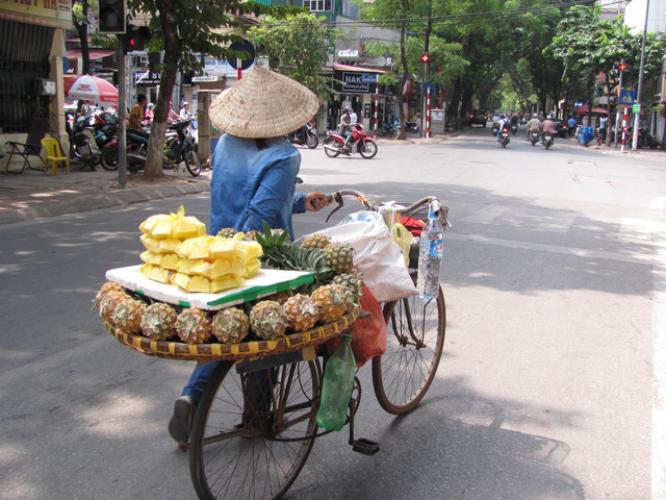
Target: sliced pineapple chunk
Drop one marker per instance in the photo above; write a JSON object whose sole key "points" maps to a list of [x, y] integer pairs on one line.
{"points": [[151, 258], [195, 248], [223, 248], [150, 244], [170, 261], [169, 245], [226, 283], [252, 267], [148, 226]]}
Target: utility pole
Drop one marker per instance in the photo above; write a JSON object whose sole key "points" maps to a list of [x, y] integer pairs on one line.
{"points": [[634, 141], [622, 67], [122, 115]]}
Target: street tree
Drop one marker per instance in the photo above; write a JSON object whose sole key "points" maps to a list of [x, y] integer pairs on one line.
{"points": [[184, 30], [297, 46]]}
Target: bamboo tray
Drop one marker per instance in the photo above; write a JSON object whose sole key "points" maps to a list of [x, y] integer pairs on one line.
{"points": [[245, 351]]}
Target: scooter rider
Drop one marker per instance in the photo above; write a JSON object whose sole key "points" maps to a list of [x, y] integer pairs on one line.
{"points": [[345, 126], [533, 125], [548, 127], [504, 122]]}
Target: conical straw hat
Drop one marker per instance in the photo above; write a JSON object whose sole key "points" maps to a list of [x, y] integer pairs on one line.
{"points": [[263, 104]]}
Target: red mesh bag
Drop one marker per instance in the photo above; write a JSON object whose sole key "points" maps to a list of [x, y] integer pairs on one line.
{"points": [[368, 332]]}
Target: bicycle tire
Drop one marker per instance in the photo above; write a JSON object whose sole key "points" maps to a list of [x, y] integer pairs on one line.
{"points": [[192, 162], [255, 435], [386, 376]]}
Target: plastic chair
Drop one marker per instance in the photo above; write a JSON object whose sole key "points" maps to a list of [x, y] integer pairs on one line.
{"points": [[54, 154], [32, 147]]}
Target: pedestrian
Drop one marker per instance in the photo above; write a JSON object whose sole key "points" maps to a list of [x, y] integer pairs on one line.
{"points": [[150, 113], [254, 177], [603, 122], [353, 116], [571, 124]]}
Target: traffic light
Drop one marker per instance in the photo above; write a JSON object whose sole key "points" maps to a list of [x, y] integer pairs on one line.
{"points": [[112, 16], [622, 67], [135, 38], [425, 58]]}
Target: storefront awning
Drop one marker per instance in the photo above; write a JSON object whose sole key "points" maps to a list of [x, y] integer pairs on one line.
{"points": [[94, 54], [357, 69]]}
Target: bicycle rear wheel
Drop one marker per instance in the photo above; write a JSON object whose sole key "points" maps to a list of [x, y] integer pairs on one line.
{"points": [[414, 344], [252, 433]]}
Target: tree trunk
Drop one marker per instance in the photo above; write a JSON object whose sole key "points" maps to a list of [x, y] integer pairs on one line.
{"points": [[402, 115], [454, 104], [82, 30], [153, 168]]}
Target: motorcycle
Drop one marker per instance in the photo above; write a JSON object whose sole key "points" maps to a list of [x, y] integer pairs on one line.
{"points": [[179, 147], [358, 143], [534, 137], [82, 143], [306, 135], [104, 128], [412, 126], [505, 136], [387, 129], [514, 128], [547, 140]]}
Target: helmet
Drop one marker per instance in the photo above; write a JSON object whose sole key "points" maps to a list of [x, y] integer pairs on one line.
{"points": [[535, 115], [549, 117]]}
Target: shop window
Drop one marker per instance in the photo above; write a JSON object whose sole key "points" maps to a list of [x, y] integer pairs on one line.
{"points": [[318, 5]]}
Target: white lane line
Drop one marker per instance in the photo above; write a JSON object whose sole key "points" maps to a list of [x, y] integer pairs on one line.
{"points": [[658, 469]]}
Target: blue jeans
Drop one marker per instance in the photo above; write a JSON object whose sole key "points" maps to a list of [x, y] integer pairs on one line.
{"points": [[199, 379]]}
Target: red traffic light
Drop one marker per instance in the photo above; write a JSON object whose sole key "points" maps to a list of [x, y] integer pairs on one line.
{"points": [[622, 67], [425, 58], [132, 42]]}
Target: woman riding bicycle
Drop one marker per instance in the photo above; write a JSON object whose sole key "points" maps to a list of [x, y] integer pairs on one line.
{"points": [[254, 176]]}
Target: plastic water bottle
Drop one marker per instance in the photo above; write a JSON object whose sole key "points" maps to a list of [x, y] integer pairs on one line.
{"points": [[430, 257], [337, 388]]}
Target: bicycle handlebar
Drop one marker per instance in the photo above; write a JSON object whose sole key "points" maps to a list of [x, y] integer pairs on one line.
{"points": [[338, 197]]}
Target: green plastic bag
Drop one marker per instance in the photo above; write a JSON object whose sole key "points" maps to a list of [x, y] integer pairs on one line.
{"points": [[337, 388]]}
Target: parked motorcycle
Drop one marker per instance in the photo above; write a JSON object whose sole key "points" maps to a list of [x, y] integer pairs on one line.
{"points": [[412, 126], [359, 143], [306, 135], [547, 140], [534, 137], [82, 145], [388, 129], [505, 136], [179, 147]]}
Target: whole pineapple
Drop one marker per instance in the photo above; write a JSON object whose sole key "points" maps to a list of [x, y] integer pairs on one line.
{"points": [[107, 287], [301, 311], [193, 326], [268, 320], [333, 301], [230, 325], [227, 232], [159, 321], [351, 282], [108, 303], [127, 315], [340, 258], [316, 241], [250, 236]]}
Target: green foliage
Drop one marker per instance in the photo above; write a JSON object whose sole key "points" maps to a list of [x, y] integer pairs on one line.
{"points": [[298, 46], [204, 27]]}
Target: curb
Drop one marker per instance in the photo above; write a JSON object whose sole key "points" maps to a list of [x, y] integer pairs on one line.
{"points": [[96, 201]]}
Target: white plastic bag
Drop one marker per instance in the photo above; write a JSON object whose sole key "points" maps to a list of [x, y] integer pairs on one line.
{"points": [[376, 255]]}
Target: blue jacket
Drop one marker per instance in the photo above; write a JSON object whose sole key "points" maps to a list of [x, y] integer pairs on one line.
{"points": [[250, 186]]}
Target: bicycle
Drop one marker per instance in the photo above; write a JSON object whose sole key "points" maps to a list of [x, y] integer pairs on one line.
{"points": [[255, 426]]}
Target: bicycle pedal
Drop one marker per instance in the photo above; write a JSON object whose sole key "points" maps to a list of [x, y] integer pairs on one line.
{"points": [[365, 446]]}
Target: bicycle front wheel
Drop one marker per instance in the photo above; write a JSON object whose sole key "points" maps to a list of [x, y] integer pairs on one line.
{"points": [[252, 433], [414, 344]]}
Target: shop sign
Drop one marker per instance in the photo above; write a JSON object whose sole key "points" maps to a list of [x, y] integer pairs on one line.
{"points": [[146, 78], [357, 82], [205, 78], [51, 13], [348, 54]]}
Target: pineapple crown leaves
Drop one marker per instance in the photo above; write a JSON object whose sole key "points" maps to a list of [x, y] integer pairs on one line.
{"points": [[272, 239]]}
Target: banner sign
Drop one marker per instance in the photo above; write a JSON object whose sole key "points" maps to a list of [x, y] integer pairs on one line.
{"points": [[358, 83], [51, 13]]}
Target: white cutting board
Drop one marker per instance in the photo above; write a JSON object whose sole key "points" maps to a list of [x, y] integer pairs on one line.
{"points": [[265, 282]]}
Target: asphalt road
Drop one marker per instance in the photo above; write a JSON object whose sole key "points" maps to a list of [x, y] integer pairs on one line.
{"points": [[554, 356]]}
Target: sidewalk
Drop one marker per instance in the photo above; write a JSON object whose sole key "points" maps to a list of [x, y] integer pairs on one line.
{"points": [[34, 195]]}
